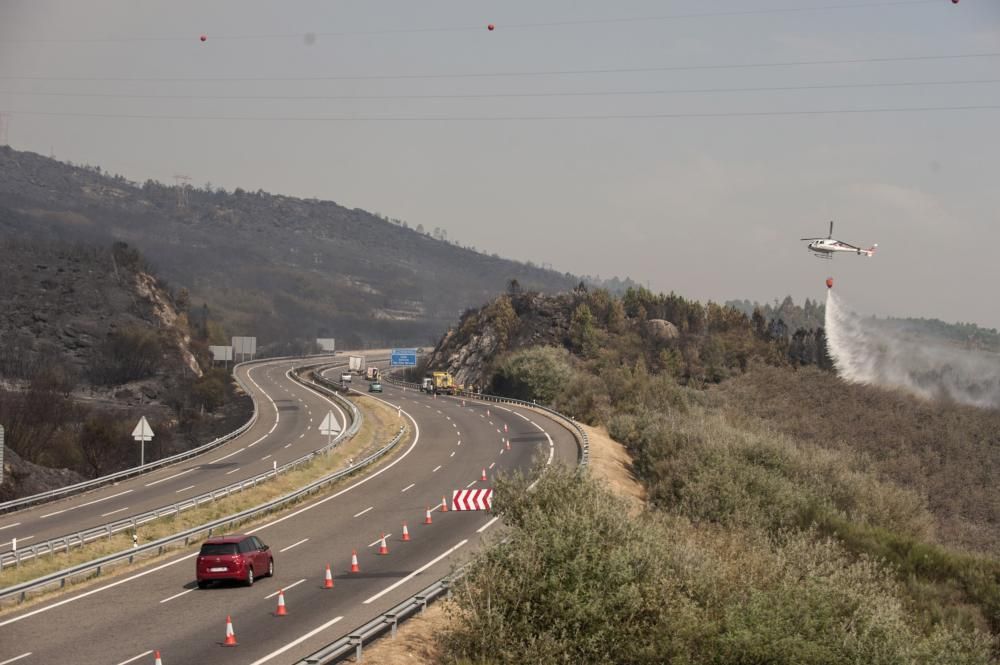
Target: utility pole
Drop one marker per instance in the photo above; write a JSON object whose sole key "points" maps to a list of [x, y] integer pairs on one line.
{"points": [[182, 187]]}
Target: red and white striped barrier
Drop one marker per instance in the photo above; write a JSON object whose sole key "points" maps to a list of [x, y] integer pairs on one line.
{"points": [[471, 499]]}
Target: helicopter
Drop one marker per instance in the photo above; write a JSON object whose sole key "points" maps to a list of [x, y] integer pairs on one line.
{"points": [[824, 248]]}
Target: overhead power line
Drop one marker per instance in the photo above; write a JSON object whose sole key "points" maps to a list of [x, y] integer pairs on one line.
{"points": [[512, 74], [479, 27], [504, 95], [495, 118]]}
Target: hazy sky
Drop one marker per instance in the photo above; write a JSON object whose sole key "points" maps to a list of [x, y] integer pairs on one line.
{"points": [[633, 138]]}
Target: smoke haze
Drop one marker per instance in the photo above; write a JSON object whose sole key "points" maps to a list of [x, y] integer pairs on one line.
{"points": [[864, 352]]}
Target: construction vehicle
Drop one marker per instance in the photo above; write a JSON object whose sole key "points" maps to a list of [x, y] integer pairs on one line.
{"points": [[372, 374], [356, 364], [444, 383]]}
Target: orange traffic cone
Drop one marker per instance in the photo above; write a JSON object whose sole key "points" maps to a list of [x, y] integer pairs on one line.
{"points": [[406, 534], [444, 505], [483, 477], [507, 443], [355, 568], [505, 428], [328, 582], [281, 604], [383, 548], [230, 635], [487, 413], [427, 518], [156, 658]]}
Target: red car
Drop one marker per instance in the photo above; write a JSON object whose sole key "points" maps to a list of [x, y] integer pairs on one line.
{"points": [[237, 557]]}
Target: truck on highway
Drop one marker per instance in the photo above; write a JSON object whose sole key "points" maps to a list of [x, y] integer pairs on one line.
{"points": [[372, 374], [356, 364], [444, 383], [427, 386]]}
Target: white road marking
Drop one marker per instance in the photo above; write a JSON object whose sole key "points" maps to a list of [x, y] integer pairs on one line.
{"points": [[10, 526], [458, 433], [233, 471], [288, 446], [176, 475], [264, 458], [365, 511], [184, 489], [20, 540], [487, 525], [258, 441], [492, 465], [521, 416], [25, 655], [388, 535], [436, 468], [413, 574], [291, 546], [133, 658], [285, 588], [114, 511], [219, 459], [300, 436], [89, 503], [296, 642], [272, 427], [454, 425], [407, 487], [471, 484], [176, 595], [459, 442], [452, 454]]}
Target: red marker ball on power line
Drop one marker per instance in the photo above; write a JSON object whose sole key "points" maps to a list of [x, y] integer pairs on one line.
{"points": [[203, 38], [490, 27]]}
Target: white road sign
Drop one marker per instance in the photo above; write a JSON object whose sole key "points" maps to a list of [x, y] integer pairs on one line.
{"points": [[142, 433], [330, 425]]}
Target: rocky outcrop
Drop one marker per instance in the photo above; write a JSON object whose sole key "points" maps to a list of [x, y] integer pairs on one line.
{"points": [[661, 329]]}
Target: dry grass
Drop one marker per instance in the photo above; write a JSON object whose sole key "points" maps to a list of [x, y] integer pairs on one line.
{"points": [[415, 641], [610, 463], [379, 425]]}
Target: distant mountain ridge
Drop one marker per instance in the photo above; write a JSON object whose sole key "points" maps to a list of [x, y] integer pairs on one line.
{"points": [[273, 266]]}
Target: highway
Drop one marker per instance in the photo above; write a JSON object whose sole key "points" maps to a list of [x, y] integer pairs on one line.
{"points": [[161, 608], [286, 428]]}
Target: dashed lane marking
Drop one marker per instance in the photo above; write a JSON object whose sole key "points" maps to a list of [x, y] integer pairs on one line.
{"points": [[176, 475], [288, 548], [233, 471], [365, 511], [388, 535], [410, 486], [124, 662], [184, 489], [434, 470], [114, 511], [285, 588], [82, 505], [176, 595]]}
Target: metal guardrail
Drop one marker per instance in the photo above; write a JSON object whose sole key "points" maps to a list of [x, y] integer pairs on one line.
{"points": [[86, 485], [354, 641], [80, 538], [95, 567]]}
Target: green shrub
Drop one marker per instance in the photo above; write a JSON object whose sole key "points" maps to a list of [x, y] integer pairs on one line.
{"points": [[577, 580]]}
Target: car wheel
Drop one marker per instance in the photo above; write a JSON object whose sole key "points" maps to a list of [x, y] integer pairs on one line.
{"points": [[249, 576], [202, 584], [270, 567]]}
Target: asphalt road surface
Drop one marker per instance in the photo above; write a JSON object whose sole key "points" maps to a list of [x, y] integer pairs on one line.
{"points": [[286, 428], [161, 608]]}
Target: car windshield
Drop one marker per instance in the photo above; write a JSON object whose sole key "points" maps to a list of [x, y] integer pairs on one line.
{"points": [[215, 549]]}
